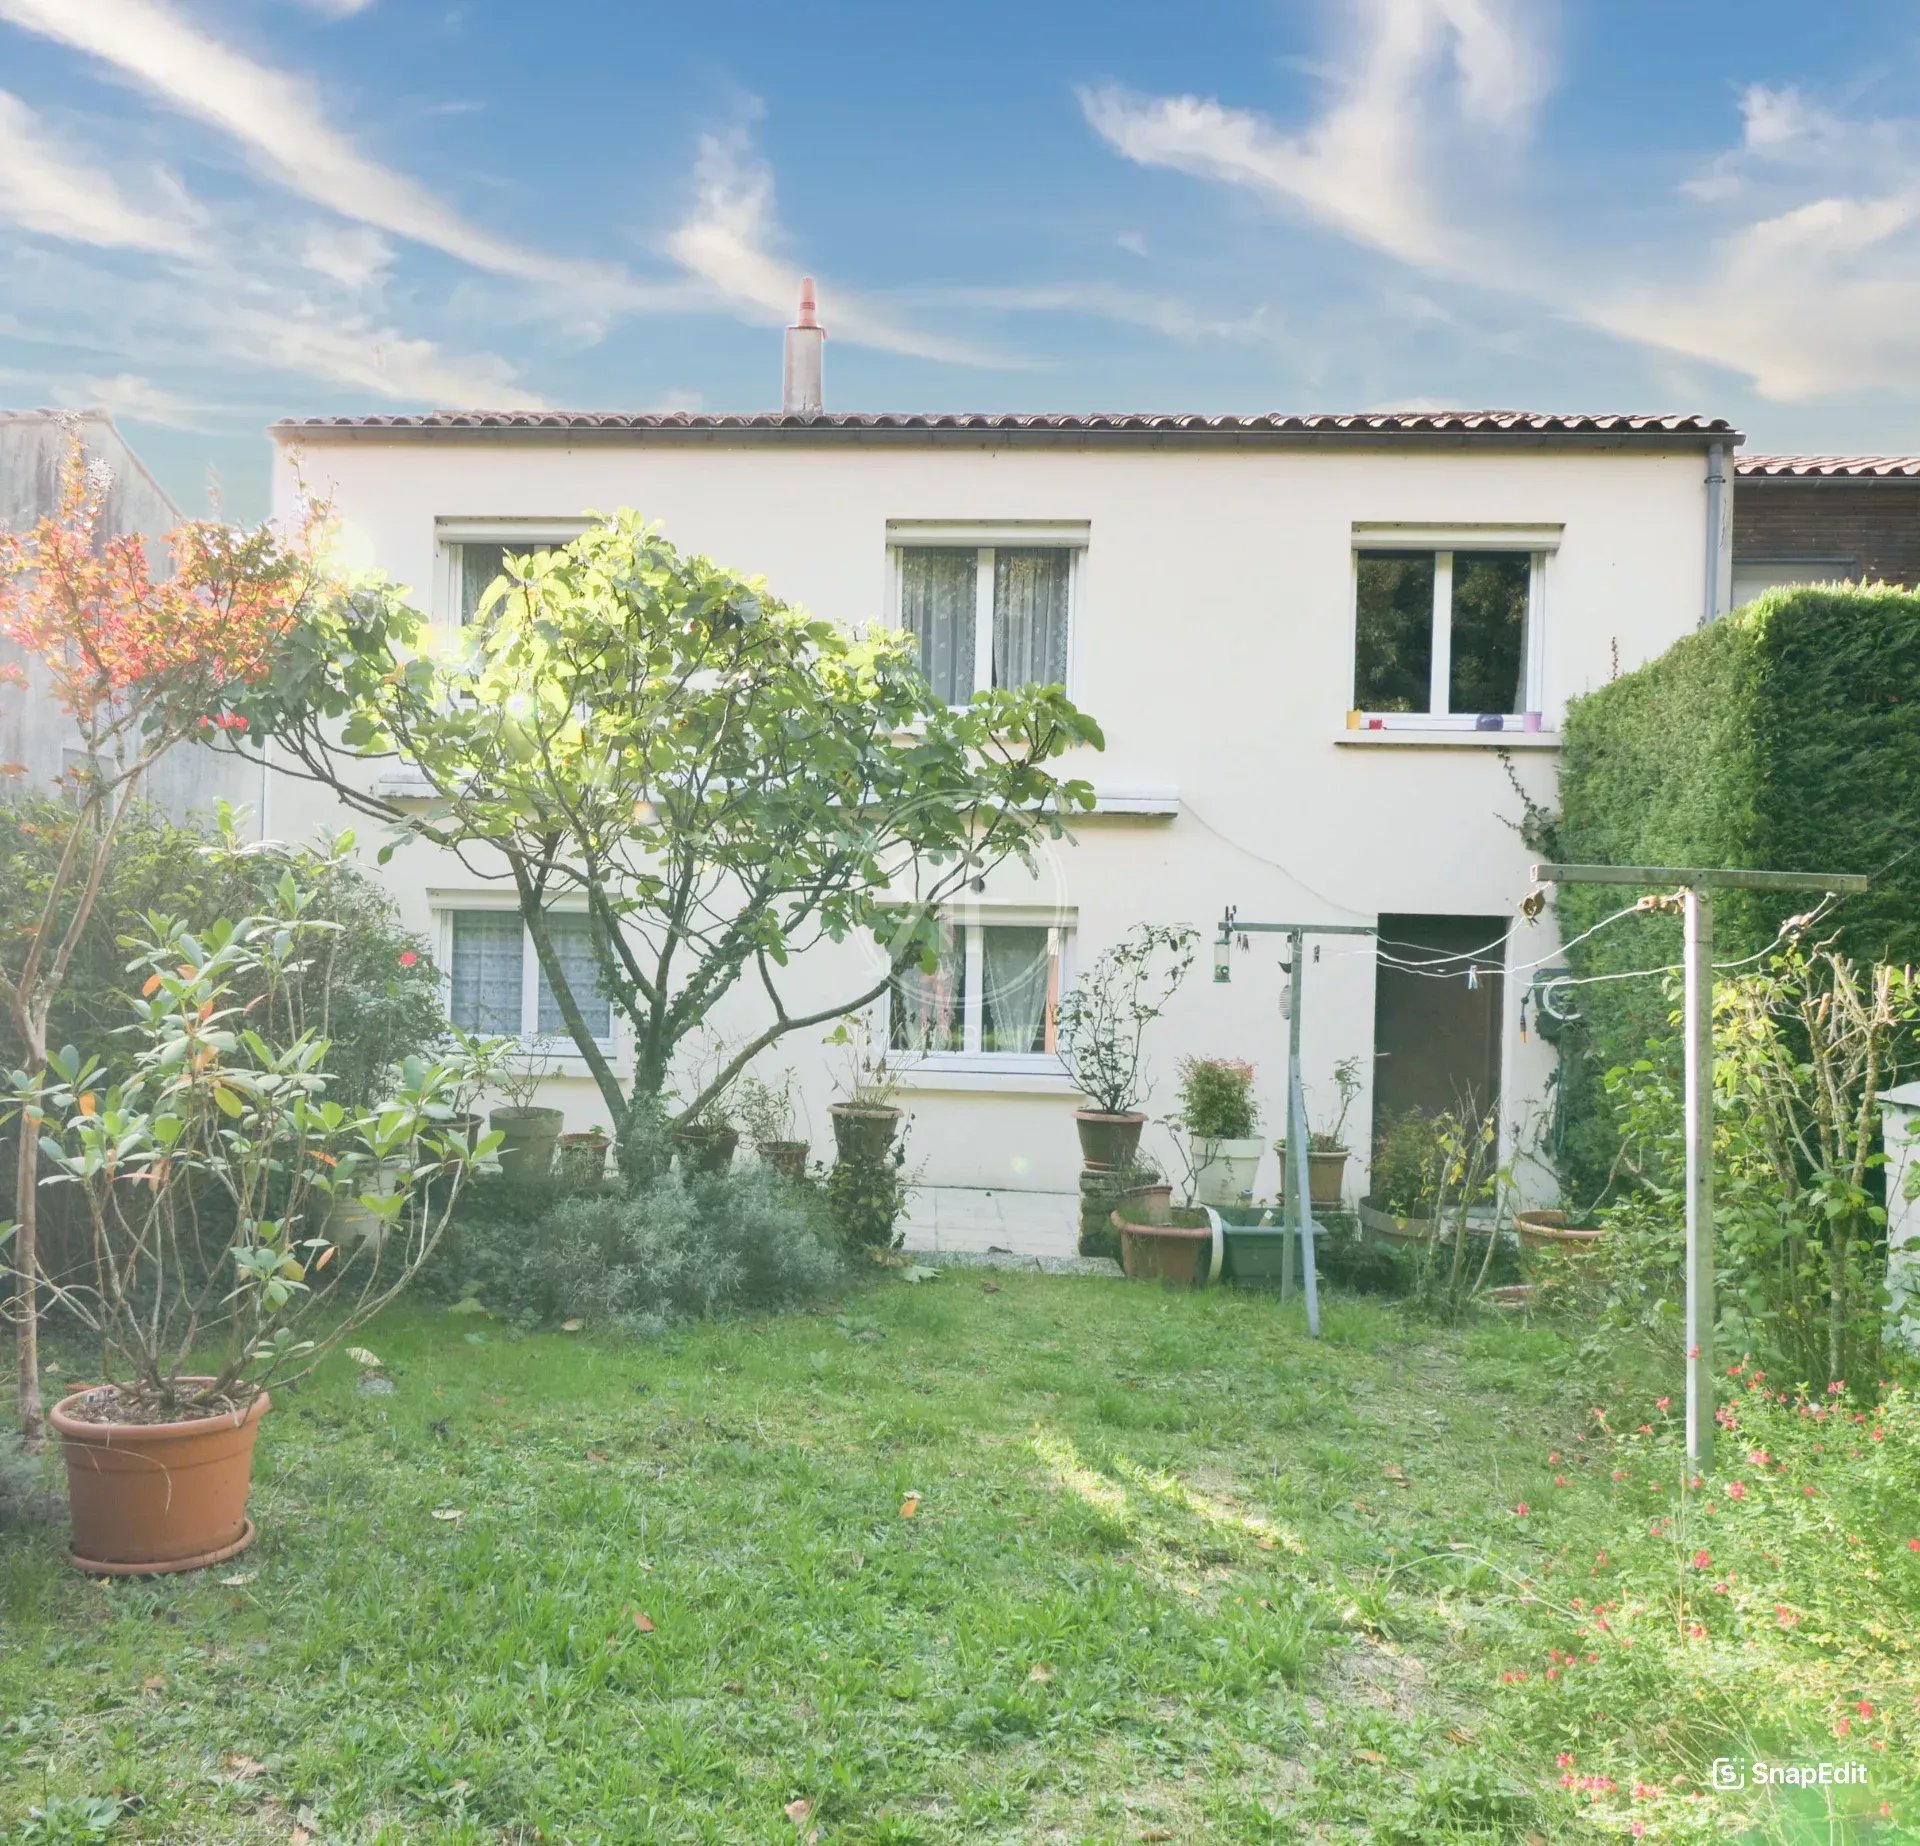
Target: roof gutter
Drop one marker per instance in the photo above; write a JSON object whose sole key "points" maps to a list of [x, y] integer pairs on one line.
{"points": [[739, 436]]}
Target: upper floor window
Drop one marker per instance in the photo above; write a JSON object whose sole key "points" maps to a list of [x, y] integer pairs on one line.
{"points": [[1447, 635], [474, 552], [497, 986], [990, 607], [994, 992]]}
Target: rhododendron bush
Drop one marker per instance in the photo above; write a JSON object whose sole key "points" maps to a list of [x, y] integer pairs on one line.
{"points": [[141, 654]]}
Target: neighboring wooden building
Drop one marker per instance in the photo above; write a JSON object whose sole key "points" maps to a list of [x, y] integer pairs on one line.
{"points": [[1825, 518]]}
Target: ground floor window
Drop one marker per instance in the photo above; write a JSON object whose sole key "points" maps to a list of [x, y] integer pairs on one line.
{"points": [[994, 992], [497, 986]]}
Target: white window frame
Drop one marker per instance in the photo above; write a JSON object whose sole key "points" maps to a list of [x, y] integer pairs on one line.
{"points": [[971, 923], [1446, 542], [985, 540], [450, 535], [556, 1048]]}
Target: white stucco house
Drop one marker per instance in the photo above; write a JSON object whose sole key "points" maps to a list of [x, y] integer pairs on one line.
{"points": [[1309, 640]]}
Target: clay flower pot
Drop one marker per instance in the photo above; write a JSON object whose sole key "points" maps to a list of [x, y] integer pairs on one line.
{"points": [[1108, 1141], [583, 1161], [706, 1150], [1326, 1174], [527, 1138], [862, 1135], [1170, 1244], [787, 1158], [149, 1498]]}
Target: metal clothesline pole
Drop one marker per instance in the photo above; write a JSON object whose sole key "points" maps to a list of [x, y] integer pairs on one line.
{"points": [[1697, 885], [1298, 1225]]}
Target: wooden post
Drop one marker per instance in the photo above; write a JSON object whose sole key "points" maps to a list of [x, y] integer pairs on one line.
{"points": [[1697, 886]]}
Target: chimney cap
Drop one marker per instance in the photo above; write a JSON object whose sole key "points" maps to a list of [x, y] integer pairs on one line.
{"points": [[807, 310]]}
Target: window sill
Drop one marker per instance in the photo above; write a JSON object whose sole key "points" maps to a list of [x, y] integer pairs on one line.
{"points": [[1006, 1077], [1413, 738]]}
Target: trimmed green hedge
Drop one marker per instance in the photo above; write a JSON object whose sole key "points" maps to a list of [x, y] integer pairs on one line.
{"points": [[1784, 738]]}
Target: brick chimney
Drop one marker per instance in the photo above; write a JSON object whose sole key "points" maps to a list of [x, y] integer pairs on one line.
{"points": [[802, 376]]}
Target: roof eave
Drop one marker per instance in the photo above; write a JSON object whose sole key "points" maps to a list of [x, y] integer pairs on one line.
{"points": [[292, 432]]}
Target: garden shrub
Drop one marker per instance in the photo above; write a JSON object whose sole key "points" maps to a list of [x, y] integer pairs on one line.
{"points": [[1785, 737], [740, 1241], [371, 988]]}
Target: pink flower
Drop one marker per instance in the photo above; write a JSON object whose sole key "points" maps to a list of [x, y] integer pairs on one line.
{"points": [[1701, 1559], [1521, 1510], [1564, 1760], [408, 958], [1865, 1708], [1663, 1403], [1913, 1544], [1696, 1632], [1736, 1490]]}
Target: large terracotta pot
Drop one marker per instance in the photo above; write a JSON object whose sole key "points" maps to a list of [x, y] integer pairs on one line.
{"points": [[1108, 1141], [148, 1498], [706, 1150], [787, 1158], [583, 1161], [1178, 1250], [864, 1135], [527, 1138]]}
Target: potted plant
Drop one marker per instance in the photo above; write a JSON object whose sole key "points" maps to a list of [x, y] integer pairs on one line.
{"points": [[1327, 1149], [1220, 1120], [528, 1131], [1101, 1028], [866, 1121], [583, 1159], [766, 1114], [203, 1173], [1161, 1241], [707, 1139]]}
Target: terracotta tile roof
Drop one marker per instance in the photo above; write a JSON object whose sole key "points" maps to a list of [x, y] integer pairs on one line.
{"points": [[1829, 467], [1512, 424]]}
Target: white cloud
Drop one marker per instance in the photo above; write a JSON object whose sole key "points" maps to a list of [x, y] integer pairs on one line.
{"points": [[52, 192], [728, 241], [140, 400], [1806, 285], [337, 9], [1367, 166], [278, 119], [352, 255]]}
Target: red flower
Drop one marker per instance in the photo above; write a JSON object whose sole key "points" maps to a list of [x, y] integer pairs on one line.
{"points": [[1913, 1544], [1663, 1403], [1701, 1559], [1865, 1708], [1521, 1509], [1736, 1490], [408, 958]]}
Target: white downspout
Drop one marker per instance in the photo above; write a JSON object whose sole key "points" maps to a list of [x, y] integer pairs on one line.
{"points": [[1719, 584]]}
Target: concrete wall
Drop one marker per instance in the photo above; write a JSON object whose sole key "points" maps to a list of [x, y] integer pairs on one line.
{"points": [[1870, 527], [34, 729], [1214, 644]]}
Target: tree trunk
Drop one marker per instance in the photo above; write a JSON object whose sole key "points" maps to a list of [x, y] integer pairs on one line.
{"points": [[32, 1413]]}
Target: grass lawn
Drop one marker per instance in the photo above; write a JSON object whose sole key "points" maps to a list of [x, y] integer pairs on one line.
{"points": [[1174, 1573]]}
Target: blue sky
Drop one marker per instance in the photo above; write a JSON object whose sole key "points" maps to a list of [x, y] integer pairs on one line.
{"points": [[216, 212]]}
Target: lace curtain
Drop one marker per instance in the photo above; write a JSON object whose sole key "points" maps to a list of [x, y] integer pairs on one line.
{"points": [[574, 942], [1030, 617], [937, 589], [1017, 965], [486, 971]]}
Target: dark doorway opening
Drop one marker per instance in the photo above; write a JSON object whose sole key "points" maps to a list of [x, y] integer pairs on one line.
{"points": [[1436, 1015]]}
